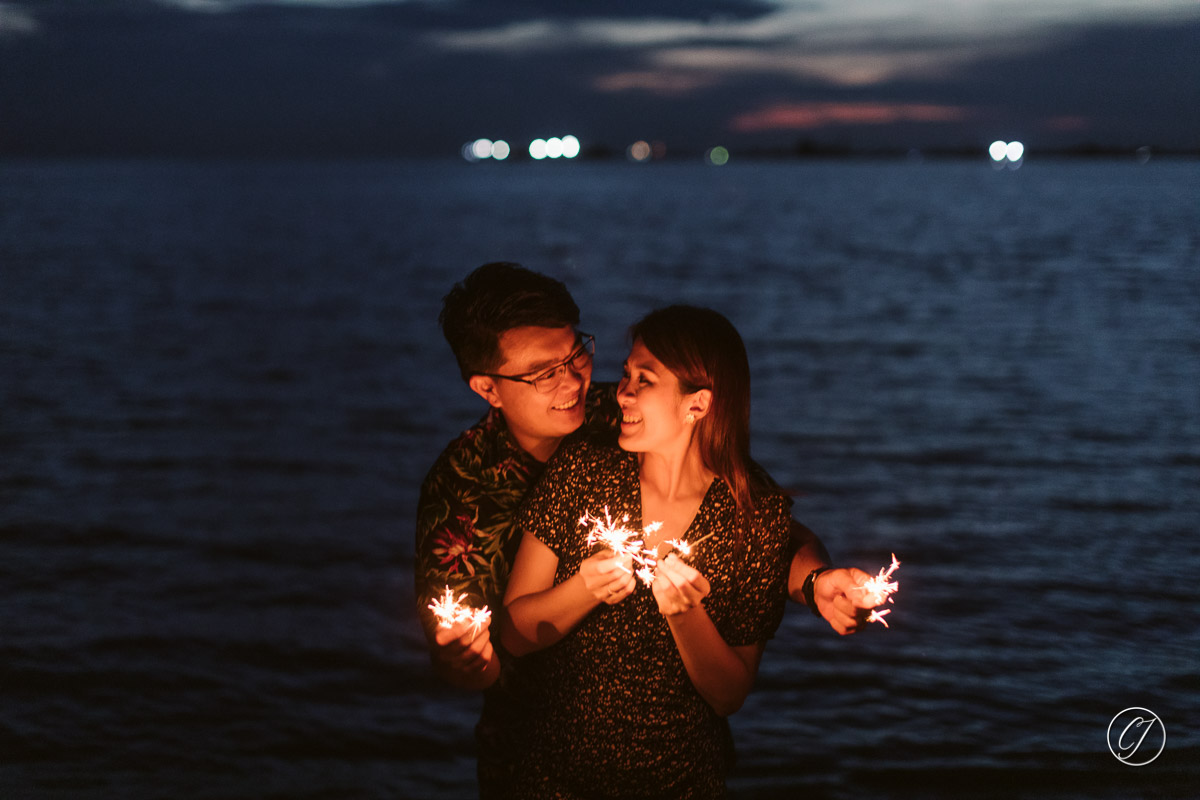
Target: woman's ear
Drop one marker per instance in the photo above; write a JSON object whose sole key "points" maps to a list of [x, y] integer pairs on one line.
{"points": [[699, 403], [485, 387]]}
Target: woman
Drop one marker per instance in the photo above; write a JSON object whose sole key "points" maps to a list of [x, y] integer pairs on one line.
{"points": [[636, 681]]}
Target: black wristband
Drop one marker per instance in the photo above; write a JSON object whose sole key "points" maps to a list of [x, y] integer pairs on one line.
{"points": [[806, 589]]}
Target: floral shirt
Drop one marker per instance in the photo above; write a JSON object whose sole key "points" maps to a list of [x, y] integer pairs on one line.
{"points": [[467, 539]]}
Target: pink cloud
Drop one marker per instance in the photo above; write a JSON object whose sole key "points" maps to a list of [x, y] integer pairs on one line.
{"points": [[805, 116], [1068, 123], [667, 83]]}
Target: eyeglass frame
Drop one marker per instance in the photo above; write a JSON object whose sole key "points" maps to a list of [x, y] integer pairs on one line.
{"points": [[587, 344]]}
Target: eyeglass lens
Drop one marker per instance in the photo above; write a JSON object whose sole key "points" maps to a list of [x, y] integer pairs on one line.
{"points": [[549, 381]]}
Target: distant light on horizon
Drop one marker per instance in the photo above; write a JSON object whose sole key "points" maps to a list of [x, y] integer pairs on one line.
{"points": [[1007, 154], [639, 151], [717, 156], [1010, 151], [554, 147], [482, 148]]}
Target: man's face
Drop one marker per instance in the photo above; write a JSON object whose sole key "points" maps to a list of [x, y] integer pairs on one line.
{"points": [[538, 420]]}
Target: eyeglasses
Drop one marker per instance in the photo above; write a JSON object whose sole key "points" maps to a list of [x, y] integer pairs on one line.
{"points": [[550, 379]]}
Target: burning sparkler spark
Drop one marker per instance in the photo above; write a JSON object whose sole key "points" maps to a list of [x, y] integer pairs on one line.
{"points": [[630, 546], [685, 548], [449, 612], [625, 543], [879, 590]]}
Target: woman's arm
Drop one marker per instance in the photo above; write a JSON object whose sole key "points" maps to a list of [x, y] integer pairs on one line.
{"points": [[832, 588], [540, 613], [723, 675]]}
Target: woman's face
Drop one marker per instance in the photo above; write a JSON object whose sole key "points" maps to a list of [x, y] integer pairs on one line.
{"points": [[652, 405]]}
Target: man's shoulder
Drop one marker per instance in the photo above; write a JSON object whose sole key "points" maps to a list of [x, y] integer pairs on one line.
{"points": [[476, 453]]}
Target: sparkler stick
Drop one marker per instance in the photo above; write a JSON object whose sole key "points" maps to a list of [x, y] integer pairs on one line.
{"points": [[450, 612], [685, 548], [879, 590]]}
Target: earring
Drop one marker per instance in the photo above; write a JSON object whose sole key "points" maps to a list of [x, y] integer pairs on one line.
{"points": [[689, 418]]}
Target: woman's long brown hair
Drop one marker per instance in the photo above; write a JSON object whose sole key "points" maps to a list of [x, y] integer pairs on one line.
{"points": [[704, 351]]}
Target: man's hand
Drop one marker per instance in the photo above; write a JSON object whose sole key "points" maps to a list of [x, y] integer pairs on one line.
{"points": [[840, 601], [464, 655]]}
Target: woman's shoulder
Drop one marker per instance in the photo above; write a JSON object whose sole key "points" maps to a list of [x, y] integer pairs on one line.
{"points": [[586, 453], [769, 497]]}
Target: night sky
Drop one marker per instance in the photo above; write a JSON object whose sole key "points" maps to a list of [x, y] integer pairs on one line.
{"points": [[421, 77]]}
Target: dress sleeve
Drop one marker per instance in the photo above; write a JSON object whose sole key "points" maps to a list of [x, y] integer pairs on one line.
{"points": [[551, 509], [762, 578]]}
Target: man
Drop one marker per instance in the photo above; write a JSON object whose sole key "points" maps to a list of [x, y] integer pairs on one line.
{"points": [[514, 335]]}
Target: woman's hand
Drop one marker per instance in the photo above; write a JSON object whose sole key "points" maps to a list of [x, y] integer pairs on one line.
{"points": [[606, 578], [839, 601], [677, 587]]}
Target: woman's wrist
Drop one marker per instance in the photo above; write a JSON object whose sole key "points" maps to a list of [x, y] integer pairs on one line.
{"points": [[807, 590]]}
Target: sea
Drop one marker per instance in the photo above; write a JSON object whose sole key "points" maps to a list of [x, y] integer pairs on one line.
{"points": [[222, 382]]}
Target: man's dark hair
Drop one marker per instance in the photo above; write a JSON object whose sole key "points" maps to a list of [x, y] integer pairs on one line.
{"points": [[497, 297]]}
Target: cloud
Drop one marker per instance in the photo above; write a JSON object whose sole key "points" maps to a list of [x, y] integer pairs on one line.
{"points": [[654, 82], [486, 13], [138, 76], [809, 116], [231, 6], [546, 35], [834, 65], [850, 43], [17, 21]]}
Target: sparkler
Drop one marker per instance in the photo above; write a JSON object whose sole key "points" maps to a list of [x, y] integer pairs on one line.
{"points": [[626, 543], [630, 546], [879, 590], [450, 612], [685, 548]]}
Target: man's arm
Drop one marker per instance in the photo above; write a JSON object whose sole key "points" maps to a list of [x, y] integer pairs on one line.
{"points": [[833, 590], [461, 656]]}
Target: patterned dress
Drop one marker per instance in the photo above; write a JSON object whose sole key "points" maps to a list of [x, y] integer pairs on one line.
{"points": [[466, 539], [616, 714]]}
